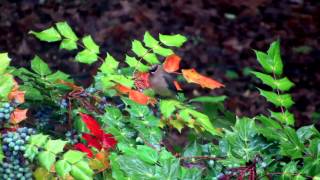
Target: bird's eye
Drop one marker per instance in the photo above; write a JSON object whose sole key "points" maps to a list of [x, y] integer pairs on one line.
{"points": [[153, 68]]}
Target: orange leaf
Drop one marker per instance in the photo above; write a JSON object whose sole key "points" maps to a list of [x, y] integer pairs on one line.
{"points": [[122, 89], [192, 76], [139, 97], [17, 96], [172, 63], [18, 115], [177, 85]]}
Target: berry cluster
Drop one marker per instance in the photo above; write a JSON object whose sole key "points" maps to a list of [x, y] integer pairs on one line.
{"points": [[43, 116], [5, 112], [73, 137], [14, 165]]}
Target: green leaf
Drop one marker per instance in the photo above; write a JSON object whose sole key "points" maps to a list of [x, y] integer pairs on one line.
{"points": [[152, 43], [271, 62], [209, 99], [48, 35], [109, 65], [167, 107], [286, 117], [291, 144], [39, 66], [73, 156], [68, 44], [66, 31], [79, 174], [62, 168], [283, 84], [142, 52], [84, 166], [193, 149], [46, 159], [200, 118], [4, 62], [268, 122], [6, 85], [86, 56], [90, 44], [176, 40], [55, 146], [275, 57], [31, 152], [120, 79], [115, 167], [133, 62], [284, 100], [147, 154], [38, 140], [306, 132], [57, 76], [136, 168], [263, 60]]}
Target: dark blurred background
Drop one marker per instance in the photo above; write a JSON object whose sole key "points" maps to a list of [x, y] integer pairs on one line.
{"points": [[221, 35]]}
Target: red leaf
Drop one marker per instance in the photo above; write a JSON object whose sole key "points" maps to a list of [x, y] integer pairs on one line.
{"points": [[191, 75], [92, 125], [108, 141], [92, 140], [83, 148], [172, 63], [141, 80], [139, 97]]}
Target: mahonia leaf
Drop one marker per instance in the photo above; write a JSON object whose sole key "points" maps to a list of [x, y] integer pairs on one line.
{"points": [[83, 148], [86, 56], [284, 100], [66, 31], [167, 107], [55, 146], [176, 40], [192, 76], [90, 44], [109, 65], [275, 57], [147, 154], [73, 156], [139, 97], [6, 85], [46, 159], [68, 44], [172, 63], [39, 66], [48, 35], [152, 43], [188, 114], [62, 168], [17, 96], [4, 62], [18, 115], [142, 52], [38, 139], [285, 117], [92, 124], [271, 62], [283, 84], [133, 62]]}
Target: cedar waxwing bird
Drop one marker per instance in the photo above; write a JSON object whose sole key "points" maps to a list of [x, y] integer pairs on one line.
{"points": [[162, 82]]}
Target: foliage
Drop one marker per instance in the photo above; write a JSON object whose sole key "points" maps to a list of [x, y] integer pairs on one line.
{"points": [[122, 127]]}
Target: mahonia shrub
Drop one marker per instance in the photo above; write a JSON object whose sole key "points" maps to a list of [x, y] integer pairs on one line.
{"points": [[120, 128]]}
